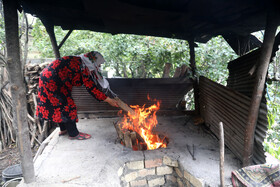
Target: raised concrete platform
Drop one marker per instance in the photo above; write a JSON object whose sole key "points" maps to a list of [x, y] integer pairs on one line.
{"points": [[101, 161]]}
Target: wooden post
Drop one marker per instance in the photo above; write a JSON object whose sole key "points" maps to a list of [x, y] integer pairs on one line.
{"points": [[262, 67], [50, 30], [222, 154], [18, 89], [65, 38], [193, 68]]}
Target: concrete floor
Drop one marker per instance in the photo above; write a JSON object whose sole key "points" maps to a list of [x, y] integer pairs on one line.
{"points": [[95, 162]]}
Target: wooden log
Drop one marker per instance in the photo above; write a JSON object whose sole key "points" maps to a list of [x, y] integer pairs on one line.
{"points": [[133, 138], [119, 131], [166, 70], [124, 106], [127, 139]]}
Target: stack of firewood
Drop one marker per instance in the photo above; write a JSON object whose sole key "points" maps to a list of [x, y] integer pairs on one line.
{"points": [[7, 133], [38, 131]]}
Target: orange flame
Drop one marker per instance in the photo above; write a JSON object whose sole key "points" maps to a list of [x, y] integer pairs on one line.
{"points": [[143, 122]]}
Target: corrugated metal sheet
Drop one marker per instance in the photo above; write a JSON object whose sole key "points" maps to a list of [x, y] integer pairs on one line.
{"points": [[241, 81], [231, 104], [134, 92], [219, 103]]}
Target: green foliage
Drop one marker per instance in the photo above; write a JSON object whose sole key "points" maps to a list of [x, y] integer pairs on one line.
{"points": [[128, 55], [212, 59], [272, 142]]}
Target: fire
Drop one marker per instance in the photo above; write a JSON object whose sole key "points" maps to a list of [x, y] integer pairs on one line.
{"points": [[143, 122]]}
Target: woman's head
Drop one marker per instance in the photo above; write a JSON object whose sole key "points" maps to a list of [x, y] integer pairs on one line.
{"points": [[95, 57]]}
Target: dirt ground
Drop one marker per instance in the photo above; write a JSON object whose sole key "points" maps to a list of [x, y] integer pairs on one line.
{"points": [[8, 157]]}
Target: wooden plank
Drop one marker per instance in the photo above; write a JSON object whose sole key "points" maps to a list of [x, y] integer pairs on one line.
{"points": [[177, 72], [166, 70]]}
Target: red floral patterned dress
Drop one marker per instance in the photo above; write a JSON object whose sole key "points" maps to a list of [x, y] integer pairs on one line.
{"points": [[55, 85]]}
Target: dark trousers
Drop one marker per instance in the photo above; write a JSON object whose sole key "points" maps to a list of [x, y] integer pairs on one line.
{"points": [[71, 128]]}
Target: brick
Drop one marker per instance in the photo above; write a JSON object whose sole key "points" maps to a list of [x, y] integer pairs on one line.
{"points": [[120, 171], [169, 162], [179, 173], [131, 176], [164, 170], [146, 172], [135, 165], [171, 178], [153, 163], [156, 182], [139, 183]]}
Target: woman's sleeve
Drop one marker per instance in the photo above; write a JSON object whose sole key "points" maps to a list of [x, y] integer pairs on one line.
{"points": [[91, 86]]}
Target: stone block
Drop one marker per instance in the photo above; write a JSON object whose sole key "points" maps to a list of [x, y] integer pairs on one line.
{"points": [[171, 178], [193, 180], [131, 176], [146, 172], [196, 182], [164, 170], [187, 175], [156, 182], [169, 162], [135, 165], [180, 183], [138, 183], [153, 163], [179, 173]]}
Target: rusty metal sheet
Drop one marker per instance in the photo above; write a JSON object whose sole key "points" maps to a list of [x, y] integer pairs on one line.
{"points": [[219, 103], [240, 80]]}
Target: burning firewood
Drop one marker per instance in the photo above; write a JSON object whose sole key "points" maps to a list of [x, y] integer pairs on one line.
{"points": [[136, 130], [124, 106]]}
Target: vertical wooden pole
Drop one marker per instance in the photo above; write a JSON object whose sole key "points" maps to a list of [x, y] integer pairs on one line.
{"points": [[222, 155], [193, 67], [50, 31], [18, 89], [262, 67]]}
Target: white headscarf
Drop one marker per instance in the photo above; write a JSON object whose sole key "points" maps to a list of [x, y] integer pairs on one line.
{"points": [[92, 61]]}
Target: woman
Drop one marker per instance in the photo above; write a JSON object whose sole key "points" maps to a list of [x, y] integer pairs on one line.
{"points": [[55, 85]]}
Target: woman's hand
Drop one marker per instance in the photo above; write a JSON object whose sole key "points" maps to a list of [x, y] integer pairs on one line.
{"points": [[112, 102]]}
